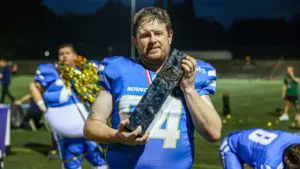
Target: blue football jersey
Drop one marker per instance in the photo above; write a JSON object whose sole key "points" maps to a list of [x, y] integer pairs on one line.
{"points": [[171, 135], [55, 93], [261, 148]]}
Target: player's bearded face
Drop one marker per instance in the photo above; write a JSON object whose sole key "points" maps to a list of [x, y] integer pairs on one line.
{"points": [[66, 56], [153, 42]]}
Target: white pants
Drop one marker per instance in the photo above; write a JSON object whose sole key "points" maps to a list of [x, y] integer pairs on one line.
{"points": [[67, 121]]}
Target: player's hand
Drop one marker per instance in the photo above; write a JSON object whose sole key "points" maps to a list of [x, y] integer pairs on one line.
{"points": [[291, 74], [131, 138], [189, 66], [42, 106], [17, 103]]}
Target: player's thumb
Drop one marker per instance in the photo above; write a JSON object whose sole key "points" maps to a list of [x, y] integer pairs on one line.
{"points": [[123, 124]]}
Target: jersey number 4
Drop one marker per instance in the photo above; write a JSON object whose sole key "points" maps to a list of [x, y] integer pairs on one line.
{"points": [[170, 117]]}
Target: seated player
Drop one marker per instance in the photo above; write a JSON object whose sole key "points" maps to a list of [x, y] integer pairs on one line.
{"points": [[65, 113], [33, 119], [33, 115], [261, 149]]}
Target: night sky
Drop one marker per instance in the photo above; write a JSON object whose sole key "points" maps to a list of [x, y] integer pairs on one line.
{"points": [[224, 11]]}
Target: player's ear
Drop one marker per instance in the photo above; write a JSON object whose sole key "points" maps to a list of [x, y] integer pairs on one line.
{"points": [[134, 39], [170, 36]]}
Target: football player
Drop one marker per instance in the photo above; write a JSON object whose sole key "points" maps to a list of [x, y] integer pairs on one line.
{"points": [[261, 149], [125, 81], [64, 113]]}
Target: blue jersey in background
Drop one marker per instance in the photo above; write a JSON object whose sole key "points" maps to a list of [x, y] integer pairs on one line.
{"points": [[259, 148]]}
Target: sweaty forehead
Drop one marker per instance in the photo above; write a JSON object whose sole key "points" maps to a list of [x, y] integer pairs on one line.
{"points": [[148, 26]]}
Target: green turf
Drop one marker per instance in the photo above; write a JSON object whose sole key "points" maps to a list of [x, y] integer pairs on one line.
{"points": [[253, 104], [20, 86]]}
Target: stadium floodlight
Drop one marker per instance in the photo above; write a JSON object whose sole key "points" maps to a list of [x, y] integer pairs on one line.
{"points": [[132, 49], [47, 53]]}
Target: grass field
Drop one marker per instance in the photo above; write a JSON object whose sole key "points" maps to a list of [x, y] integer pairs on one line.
{"points": [[253, 104]]}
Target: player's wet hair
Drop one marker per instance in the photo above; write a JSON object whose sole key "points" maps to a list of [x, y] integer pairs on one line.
{"points": [[293, 154], [66, 45], [151, 14]]}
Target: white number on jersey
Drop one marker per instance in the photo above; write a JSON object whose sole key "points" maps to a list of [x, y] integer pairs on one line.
{"points": [[262, 137], [64, 93], [170, 116], [280, 166], [126, 103]]}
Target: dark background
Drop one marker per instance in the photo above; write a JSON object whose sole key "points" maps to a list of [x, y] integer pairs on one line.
{"points": [[262, 29]]}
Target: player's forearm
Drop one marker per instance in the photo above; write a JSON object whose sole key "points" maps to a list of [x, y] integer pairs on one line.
{"points": [[96, 127], [205, 118], [37, 96], [35, 92], [25, 98], [100, 132]]}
